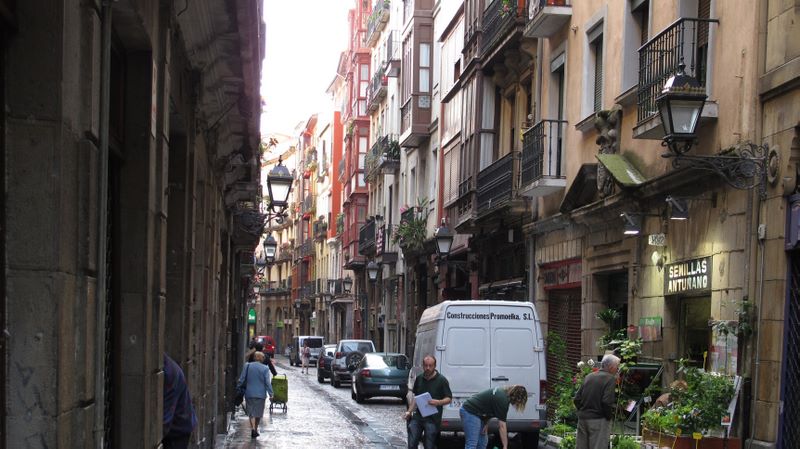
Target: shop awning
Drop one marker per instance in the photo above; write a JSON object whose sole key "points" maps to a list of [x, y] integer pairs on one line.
{"points": [[621, 169]]}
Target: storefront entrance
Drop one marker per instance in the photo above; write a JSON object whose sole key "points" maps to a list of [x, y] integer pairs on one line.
{"points": [[694, 332], [789, 430], [564, 326]]}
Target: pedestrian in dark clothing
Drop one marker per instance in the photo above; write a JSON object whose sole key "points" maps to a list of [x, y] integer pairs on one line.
{"points": [[492, 403], [256, 380], [595, 401], [250, 356], [179, 417], [434, 383]]}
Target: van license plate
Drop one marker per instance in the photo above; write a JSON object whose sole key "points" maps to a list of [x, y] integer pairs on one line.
{"points": [[390, 387]]}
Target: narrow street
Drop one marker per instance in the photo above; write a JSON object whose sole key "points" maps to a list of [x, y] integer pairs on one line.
{"points": [[321, 416]]}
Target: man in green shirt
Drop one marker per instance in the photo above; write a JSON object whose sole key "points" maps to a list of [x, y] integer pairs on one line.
{"points": [[432, 382]]}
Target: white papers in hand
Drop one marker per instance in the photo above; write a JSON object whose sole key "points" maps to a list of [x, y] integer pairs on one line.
{"points": [[424, 408]]}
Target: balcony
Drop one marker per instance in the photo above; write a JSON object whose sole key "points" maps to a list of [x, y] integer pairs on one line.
{"points": [[546, 17], [339, 224], [385, 250], [495, 186], [366, 239], [659, 59], [320, 228], [376, 91], [305, 250], [383, 157], [498, 23], [415, 118], [392, 51], [463, 209], [543, 159], [377, 21], [307, 207], [310, 288]]}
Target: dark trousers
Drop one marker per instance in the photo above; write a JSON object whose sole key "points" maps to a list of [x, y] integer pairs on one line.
{"points": [[176, 442], [416, 425]]}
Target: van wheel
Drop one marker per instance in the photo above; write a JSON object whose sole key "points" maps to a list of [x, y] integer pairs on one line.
{"points": [[320, 378]]}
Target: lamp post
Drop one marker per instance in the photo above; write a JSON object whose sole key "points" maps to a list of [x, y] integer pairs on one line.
{"points": [[444, 239], [279, 184], [270, 247], [680, 105], [372, 275], [347, 284]]}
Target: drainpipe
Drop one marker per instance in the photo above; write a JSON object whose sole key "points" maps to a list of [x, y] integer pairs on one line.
{"points": [[102, 220]]}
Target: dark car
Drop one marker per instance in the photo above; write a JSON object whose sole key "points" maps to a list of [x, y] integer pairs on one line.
{"points": [[381, 374], [268, 343], [324, 362]]}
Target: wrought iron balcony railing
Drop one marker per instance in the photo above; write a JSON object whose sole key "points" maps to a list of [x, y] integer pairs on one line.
{"points": [[305, 249], [366, 238], [384, 154], [320, 230], [685, 40], [339, 224], [546, 17], [495, 183], [377, 21], [498, 22], [308, 206], [376, 91], [542, 156]]}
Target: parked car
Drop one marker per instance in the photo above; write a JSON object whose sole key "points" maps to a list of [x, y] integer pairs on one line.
{"points": [[268, 343], [348, 354], [314, 343], [324, 362], [381, 374]]}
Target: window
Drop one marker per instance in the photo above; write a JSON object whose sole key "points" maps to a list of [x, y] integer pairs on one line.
{"points": [[424, 68], [597, 51], [363, 80], [636, 30]]}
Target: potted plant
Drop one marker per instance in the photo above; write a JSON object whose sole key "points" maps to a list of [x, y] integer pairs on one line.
{"points": [[694, 411], [411, 233]]}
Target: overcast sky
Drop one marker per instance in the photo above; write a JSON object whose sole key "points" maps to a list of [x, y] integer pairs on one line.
{"points": [[303, 43]]}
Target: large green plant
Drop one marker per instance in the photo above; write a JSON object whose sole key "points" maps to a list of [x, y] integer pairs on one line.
{"points": [[697, 408], [411, 233]]}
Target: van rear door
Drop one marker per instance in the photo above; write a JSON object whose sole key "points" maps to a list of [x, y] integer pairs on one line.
{"points": [[516, 351], [465, 338]]}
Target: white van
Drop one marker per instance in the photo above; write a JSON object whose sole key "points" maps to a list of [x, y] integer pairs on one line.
{"points": [[315, 343], [485, 344]]}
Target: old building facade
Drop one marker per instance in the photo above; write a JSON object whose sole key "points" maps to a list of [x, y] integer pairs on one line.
{"points": [[129, 165]]}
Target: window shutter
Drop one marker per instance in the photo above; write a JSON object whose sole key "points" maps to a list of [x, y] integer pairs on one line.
{"points": [[598, 74]]}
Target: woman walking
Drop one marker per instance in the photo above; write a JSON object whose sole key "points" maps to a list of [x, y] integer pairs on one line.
{"points": [[256, 380], [492, 403]]}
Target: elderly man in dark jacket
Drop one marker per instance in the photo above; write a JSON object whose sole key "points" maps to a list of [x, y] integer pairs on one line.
{"points": [[595, 401]]}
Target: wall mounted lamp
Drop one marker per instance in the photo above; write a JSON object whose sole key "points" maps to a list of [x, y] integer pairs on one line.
{"points": [[632, 223], [680, 105], [347, 284], [372, 271], [678, 208]]}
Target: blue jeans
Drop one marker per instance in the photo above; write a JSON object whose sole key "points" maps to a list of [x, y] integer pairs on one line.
{"points": [[415, 426], [474, 438]]}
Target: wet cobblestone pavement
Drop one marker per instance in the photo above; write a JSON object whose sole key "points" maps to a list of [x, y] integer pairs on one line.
{"points": [[321, 416]]}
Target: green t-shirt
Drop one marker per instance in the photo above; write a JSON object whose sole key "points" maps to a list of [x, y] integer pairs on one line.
{"points": [[491, 403], [438, 387]]}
